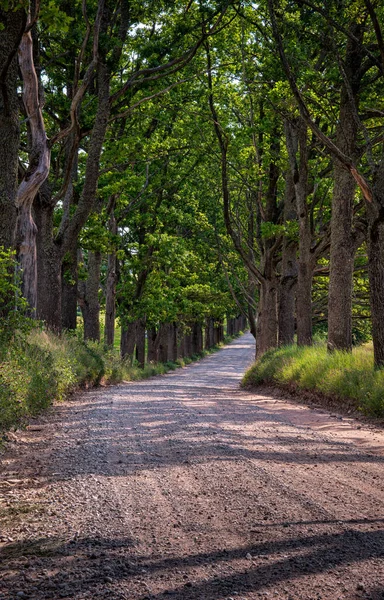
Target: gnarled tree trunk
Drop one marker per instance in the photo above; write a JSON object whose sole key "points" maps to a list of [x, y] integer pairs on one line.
{"points": [[10, 36], [36, 173]]}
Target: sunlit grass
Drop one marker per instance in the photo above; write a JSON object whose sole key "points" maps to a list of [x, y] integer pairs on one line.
{"points": [[45, 367], [340, 374]]}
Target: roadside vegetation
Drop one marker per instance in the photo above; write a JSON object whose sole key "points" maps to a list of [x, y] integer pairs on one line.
{"points": [[41, 367], [341, 375], [192, 165]]}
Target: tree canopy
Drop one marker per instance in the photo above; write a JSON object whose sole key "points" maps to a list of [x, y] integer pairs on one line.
{"points": [[176, 165]]}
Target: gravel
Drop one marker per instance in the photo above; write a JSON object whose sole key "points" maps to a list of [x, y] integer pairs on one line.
{"points": [[186, 487]]}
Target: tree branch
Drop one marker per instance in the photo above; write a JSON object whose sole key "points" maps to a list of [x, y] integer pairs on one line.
{"points": [[345, 160]]}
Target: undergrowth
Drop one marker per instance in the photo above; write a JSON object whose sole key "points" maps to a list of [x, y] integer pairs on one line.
{"points": [[338, 374], [40, 367]]}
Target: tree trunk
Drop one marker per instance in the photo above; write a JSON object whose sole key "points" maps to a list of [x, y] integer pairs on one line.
{"points": [[341, 262], [151, 336], [89, 304], [48, 306], [10, 36], [188, 344], [229, 326], [172, 342], [110, 301], [140, 343], [304, 304], [35, 175], [69, 287], [209, 334], [69, 275], [163, 342], [69, 230], [297, 140], [288, 279], [197, 338], [128, 340], [267, 324], [376, 264], [342, 239]]}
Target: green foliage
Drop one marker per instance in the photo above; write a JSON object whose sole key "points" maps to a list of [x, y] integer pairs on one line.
{"points": [[45, 367], [13, 322], [346, 376]]}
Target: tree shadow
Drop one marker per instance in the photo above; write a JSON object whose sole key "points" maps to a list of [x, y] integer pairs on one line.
{"points": [[96, 562]]}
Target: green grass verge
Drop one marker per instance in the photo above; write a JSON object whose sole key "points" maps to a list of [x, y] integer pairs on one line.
{"points": [[339, 374], [44, 367]]}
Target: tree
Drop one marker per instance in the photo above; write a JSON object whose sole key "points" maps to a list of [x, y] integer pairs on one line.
{"points": [[12, 26]]}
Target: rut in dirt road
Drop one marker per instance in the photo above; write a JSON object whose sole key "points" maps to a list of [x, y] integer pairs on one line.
{"points": [[186, 487]]}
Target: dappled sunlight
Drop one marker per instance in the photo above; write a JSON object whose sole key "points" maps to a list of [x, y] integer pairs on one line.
{"points": [[218, 492]]}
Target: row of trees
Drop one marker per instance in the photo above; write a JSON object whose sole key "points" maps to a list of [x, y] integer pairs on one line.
{"points": [[182, 162], [98, 191]]}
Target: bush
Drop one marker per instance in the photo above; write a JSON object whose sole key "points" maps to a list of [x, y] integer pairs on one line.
{"points": [[338, 374], [39, 367], [13, 320]]}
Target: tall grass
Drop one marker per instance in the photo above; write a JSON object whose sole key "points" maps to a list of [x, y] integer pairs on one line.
{"points": [[338, 374], [41, 367]]}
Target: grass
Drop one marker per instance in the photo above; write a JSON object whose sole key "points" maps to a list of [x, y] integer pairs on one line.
{"points": [[42, 368], [346, 376]]}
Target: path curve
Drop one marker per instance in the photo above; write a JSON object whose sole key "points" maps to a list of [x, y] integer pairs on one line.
{"points": [[186, 487]]}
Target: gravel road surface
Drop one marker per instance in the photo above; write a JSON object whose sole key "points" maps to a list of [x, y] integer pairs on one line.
{"points": [[186, 487]]}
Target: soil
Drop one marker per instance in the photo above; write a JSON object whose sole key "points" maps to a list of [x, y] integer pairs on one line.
{"points": [[186, 487]]}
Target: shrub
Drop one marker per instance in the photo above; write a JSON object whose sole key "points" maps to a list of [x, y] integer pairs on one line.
{"points": [[13, 320], [338, 374]]}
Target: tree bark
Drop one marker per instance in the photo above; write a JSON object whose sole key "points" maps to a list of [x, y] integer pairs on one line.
{"points": [[197, 338], [110, 301], [140, 343], [128, 340], [342, 238], [48, 307], [306, 265], [209, 323], [267, 322], [36, 173], [69, 287], [89, 298], [172, 342], [229, 326], [376, 264], [288, 278], [163, 342], [151, 336], [188, 344], [10, 36]]}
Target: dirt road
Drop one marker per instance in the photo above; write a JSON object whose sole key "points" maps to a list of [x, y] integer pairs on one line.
{"points": [[186, 487]]}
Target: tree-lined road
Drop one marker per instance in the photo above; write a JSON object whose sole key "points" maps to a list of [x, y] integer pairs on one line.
{"points": [[184, 486]]}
